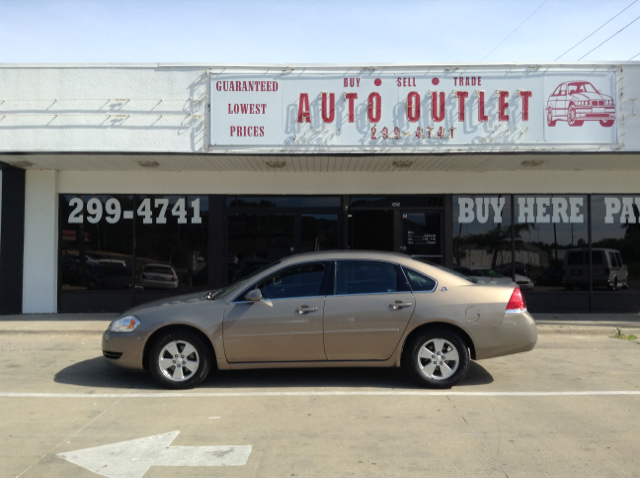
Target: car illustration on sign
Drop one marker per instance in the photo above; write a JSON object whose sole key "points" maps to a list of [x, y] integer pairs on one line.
{"points": [[578, 101]]}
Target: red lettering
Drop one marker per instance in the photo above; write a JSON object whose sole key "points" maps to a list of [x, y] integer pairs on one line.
{"points": [[473, 81], [466, 81], [437, 113], [275, 86], [268, 86], [358, 81], [462, 96], [303, 109], [262, 128], [233, 130], [481, 115], [328, 112], [351, 97], [374, 108], [238, 86], [503, 105], [262, 85], [218, 85], [230, 112], [399, 81], [479, 81], [413, 106], [346, 83], [451, 131], [525, 95], [244, 108]]}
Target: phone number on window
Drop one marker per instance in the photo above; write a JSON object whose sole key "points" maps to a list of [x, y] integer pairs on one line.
{"points": [[112, 212]]}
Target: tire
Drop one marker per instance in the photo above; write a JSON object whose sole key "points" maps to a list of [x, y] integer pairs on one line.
{"points": [[571, 116], [196, 362], [550, 120], [422, 348], [606, 123]]}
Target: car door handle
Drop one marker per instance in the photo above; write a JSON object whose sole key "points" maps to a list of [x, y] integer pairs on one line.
{"points": [[304, 309], [400, 305]]}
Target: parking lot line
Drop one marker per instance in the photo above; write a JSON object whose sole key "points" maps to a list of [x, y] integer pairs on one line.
{"points": [[317, 393]]}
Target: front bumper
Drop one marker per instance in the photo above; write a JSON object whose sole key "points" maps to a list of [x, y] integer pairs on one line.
{"points": [[123, 349]]}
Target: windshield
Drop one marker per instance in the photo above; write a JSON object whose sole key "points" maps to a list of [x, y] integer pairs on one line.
{"points": [[581, 88], [222, 292], [445, 269]]}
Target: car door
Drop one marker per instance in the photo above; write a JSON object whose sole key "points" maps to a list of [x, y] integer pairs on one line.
{"points": [[561, 102], [286, 325], [368, 311]]}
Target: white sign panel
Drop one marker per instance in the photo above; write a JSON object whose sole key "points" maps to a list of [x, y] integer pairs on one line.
{"points": [[411, 111]]}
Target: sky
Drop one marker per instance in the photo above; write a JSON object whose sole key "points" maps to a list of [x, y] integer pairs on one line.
{"points": [[314, 31]]}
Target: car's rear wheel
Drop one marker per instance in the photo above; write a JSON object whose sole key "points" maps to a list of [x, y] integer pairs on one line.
{"points": [[437, 358], [550, 120], [572, 115], [180, 359], [607, 123]]}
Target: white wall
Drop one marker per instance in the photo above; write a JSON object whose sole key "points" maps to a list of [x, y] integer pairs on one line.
{"points": [[40, 284]]}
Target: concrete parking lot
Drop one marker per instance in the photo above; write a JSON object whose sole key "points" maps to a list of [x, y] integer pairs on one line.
{"points": [[570, 407]]}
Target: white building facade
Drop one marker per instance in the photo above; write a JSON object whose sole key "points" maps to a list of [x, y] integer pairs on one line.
{"points": [[121, 184]]}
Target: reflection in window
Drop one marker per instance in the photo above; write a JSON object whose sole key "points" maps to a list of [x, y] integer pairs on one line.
{"points": [[96, 242], [551, 241], [616, 240], [482, 232], [298, 281]]}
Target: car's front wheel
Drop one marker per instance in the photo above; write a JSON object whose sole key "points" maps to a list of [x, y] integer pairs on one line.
{"points": [[180, 359], [572, 116], [437, 358], [550, 120]]}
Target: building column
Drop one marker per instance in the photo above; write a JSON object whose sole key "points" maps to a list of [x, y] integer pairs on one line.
{"points": [[40, 277], [12, 183]]}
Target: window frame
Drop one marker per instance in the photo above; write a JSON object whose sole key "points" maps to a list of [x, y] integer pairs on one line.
{"points": [[435, 287]]}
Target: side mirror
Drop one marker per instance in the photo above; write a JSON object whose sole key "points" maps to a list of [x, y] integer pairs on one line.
{"points": [[253, 295]]}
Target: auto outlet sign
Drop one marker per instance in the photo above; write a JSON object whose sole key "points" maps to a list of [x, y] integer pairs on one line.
{"points": [[411, 110]]}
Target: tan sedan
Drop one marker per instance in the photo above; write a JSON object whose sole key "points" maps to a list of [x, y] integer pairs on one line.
{"points": [[327, 309]]}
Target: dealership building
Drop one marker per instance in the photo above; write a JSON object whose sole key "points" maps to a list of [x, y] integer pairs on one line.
{"points": [[122, 184]]}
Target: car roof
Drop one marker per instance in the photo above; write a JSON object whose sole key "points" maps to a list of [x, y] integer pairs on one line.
{"points": [[345, 254]]}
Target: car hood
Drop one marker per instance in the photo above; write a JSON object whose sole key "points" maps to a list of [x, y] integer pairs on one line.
{"points": [[171, 302], [589, 96]]}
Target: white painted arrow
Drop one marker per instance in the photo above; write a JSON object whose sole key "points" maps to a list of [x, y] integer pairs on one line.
{"points": [[133, 458]]}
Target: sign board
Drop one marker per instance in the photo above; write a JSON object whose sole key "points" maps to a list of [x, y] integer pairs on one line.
{"points": [[411, 110]]}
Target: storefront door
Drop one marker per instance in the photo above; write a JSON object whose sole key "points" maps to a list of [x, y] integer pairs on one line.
{"points": [[422, 235]]}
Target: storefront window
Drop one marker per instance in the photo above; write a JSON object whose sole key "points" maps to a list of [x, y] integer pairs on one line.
{"points": [[616, 242], [171, 242], [98, 234], [482, 234], [96, 242], [552, 240]]}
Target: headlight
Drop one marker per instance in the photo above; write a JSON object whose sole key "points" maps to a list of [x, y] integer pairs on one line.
{"points": [[124, 325]]}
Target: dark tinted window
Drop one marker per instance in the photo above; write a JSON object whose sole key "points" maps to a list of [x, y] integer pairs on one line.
{"points": [[419, 282], [612, 259], [294, 282], [574, 258], [596, 257], [366, 277]]}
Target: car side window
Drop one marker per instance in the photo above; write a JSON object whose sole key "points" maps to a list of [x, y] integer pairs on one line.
{"points": [[563, 90], [619, 260], [367, 277], [612, 260], [419, 282], [557, 92], [297, 281]]}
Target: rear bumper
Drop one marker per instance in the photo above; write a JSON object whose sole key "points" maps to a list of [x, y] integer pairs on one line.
{"points": [[516, 334]]}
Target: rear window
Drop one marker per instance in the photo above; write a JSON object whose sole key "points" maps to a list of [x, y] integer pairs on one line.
{"points": [[419, 282], [612, 258], [574, 258], [158, 269]]}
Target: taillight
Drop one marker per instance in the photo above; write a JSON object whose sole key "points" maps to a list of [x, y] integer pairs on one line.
{"points": [[173, 278], [516, 302]]}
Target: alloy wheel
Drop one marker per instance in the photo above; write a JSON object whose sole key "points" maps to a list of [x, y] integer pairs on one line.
{"points": [[178, 360], [438, 359]]}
